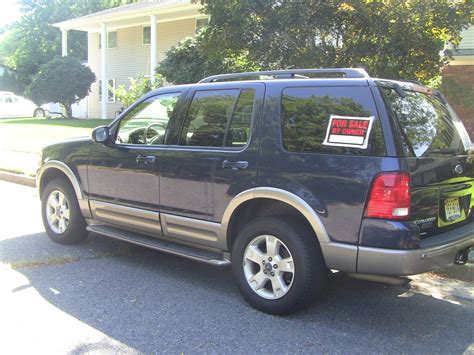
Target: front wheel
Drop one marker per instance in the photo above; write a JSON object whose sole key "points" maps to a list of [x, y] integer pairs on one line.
{"points": [[278, 265], [61, 214]]}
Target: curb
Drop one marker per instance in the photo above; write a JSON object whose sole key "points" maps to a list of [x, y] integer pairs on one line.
{"points": [[18, 178]]}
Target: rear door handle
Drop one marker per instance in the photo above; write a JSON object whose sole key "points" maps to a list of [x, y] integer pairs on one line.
{"points": [[235, 165], [146, 159]]}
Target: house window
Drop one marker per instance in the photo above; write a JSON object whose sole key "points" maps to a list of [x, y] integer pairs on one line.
{"points": [[201, 23], [146, 35], [110, 91], [111, 40]]}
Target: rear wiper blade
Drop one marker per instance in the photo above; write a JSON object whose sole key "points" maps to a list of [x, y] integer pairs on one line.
{"points": [[394, 86]]}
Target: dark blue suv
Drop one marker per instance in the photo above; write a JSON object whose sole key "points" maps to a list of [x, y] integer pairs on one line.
{"points": [[284, 174]]}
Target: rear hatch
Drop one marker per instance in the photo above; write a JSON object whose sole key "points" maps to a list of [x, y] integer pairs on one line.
{"points": [[438, 154]]}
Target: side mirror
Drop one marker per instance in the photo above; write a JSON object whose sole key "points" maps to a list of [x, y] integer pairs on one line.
{"points": [[101, 134]]}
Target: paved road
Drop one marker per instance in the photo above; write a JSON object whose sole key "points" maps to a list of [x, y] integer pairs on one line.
{"points": [[105, 296]]}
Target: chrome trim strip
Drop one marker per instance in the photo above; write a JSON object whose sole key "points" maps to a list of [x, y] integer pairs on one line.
{"points": [[139, 219], [283, 196], [193, 230]]}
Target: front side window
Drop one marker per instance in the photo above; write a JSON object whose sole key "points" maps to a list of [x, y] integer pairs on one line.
{"points": [[219, 118], [306, 114], [147, 122], [428, 126]]}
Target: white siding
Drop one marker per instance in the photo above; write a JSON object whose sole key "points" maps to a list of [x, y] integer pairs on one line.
{"points": [[131, 58], [467, 41]]}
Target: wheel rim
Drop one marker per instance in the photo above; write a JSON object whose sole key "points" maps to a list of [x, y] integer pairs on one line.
{"points": [[268, 267], [57, 212]]}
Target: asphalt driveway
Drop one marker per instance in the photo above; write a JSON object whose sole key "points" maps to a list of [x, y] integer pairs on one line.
{"points": [[105, 296]]}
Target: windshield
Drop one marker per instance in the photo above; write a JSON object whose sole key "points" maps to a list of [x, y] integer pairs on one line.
{"points": [[429, 126]]}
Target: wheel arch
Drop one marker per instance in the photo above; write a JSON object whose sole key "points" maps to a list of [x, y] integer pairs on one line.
{"points": [[54, 168], [288, 199]]}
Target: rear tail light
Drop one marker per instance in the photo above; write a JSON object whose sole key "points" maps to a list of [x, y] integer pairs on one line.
{"points": [[389, 196]]}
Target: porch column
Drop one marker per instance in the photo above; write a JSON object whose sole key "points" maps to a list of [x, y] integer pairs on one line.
{"points": [[63, 42], [103, 70], [152, 46]]}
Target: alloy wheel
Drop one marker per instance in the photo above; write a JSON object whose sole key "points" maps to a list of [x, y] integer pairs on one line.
{"points": [[57, 212], [268, 267]]}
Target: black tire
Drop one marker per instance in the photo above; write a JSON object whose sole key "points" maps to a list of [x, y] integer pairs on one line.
{"points": [[39, 112], [75, 231], [310, 272]]}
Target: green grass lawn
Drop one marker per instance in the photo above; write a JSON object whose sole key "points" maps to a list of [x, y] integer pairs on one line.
{"points": [[21, 139], [31, 134]]}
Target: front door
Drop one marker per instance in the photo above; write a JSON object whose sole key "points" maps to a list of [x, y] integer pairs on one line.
{"points": [[124, 175], [213, 158]]}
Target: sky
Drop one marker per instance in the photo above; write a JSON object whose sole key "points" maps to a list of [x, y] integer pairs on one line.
{"points": [[9, 13]]}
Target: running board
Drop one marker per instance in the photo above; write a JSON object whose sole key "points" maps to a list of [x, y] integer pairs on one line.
{"points": [[161, 245]]}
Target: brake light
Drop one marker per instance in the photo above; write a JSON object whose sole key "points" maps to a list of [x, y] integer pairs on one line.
{"points": [[389, 196]]}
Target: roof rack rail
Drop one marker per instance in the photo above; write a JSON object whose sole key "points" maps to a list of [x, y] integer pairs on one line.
{"points": [[287, 74]]}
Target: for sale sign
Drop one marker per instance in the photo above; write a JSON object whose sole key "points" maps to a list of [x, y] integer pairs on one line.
{"points": [[348, 131]]}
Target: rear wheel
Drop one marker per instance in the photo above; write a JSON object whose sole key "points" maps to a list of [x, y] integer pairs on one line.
{"points": [[61, 214], [278, 265]]}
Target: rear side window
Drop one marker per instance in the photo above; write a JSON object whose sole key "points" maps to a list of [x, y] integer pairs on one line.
{"points": [[306, 114], [428, 126], [219, 118]]}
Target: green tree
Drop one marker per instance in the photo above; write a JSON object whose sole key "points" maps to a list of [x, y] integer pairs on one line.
{"points": [[190, 61], [391, 38], [137, 88], [64, 80], [33, 41]]}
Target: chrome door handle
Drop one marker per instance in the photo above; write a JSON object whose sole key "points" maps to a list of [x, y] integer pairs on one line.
{"points": [[146, 159], [235, 165]]}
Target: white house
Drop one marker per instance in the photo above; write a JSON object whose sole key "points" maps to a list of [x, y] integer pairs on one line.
{"points": [[129, 40]]}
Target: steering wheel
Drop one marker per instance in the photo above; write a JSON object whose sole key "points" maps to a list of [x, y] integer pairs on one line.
{"points": [[155, 133]]}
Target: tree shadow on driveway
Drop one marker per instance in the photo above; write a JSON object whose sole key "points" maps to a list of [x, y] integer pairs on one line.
{"points": [[154, 302]]}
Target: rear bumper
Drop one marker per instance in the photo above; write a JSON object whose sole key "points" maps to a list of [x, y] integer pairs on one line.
{"points": [[436, 252]]}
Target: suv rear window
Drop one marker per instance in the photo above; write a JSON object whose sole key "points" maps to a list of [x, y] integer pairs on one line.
{"points": [[306, 113], [428, 125]]}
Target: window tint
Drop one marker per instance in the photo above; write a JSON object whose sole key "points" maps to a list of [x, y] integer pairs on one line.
{"points": [[428, 128], [306, 113], [215, 117], [146, 123]]}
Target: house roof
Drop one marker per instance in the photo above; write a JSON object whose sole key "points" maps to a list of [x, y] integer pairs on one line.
{"points": [[133, 14]]}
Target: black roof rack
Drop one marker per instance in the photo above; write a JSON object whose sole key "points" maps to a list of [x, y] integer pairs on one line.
{"points": [[287, 74]]}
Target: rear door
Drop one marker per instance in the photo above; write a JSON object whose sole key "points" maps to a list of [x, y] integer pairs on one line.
{"points": [[213, 158], [437, 150]]}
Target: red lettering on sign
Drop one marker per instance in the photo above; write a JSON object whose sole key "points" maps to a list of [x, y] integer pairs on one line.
{"points": [[363, 124], [339, 123]]}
